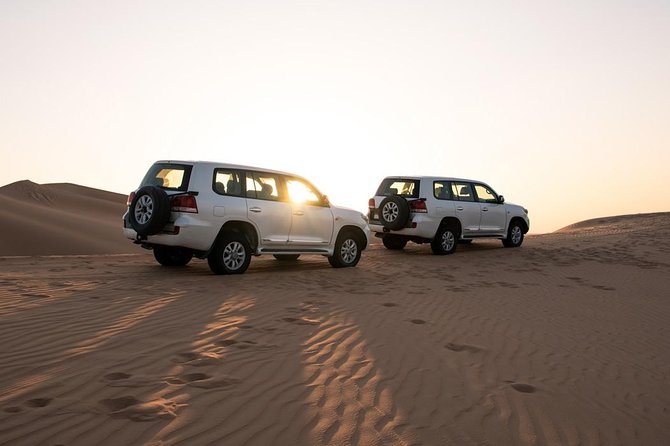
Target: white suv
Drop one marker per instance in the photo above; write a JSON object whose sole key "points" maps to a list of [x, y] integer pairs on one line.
{"points": [[443, 212], [227, 213]]}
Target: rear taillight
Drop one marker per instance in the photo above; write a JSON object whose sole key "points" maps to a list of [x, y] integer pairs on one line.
{"points": [[184, 203], [371, 203], [418, 206], [130, 199]]}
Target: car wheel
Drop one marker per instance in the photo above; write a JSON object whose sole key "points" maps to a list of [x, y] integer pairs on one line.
{"points": [[394, 212], [445, 241], [393, 242], [286, 257], [231, 254], [172, 256], [347, 251], [149, 211], [514, 236]]}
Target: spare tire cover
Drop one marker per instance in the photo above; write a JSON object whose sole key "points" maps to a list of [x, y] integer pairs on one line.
{"points": [[149, 210], [394, 212]]}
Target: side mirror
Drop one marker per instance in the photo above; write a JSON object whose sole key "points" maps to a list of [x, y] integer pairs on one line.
{"points": [[501, 199]]}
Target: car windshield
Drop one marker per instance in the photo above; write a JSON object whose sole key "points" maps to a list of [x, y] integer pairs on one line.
{"points": [[398, 186]]}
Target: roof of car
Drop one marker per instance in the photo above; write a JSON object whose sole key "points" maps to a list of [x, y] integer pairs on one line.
{"points": [[215, 164], [429, 178]]}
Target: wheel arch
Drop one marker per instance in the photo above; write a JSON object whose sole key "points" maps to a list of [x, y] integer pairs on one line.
{"points": [[522, 223], [358, 232], [241, 227], [454, 222]]}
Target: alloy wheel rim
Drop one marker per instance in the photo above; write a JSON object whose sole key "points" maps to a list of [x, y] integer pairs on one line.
{"points": [[516, 235], [448, 240], [349, 251], [144, 209], [234, 255], [390, 211]]}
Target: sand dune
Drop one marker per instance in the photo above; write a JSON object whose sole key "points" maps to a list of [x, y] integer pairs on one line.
{"points": [[564, 341], [60, 219]]}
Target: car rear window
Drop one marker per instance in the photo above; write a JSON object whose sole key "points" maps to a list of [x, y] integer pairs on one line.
{"points": [[168, 176], [397, 186]]}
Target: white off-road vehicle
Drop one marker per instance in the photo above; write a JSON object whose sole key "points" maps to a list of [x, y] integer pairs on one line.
{"points": [[443, 212], [228, 213]]}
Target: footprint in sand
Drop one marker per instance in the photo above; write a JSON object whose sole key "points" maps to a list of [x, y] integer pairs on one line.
{"points": [[38, 402], [390, 304], [417, 321], [191, 377], [300, 321], [121, 379], [13, 409], [523, 388], [203, 381], [135, 410], [462, 347]]}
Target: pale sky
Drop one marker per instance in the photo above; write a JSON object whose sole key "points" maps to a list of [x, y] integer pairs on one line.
{"points": [[563, 107]]}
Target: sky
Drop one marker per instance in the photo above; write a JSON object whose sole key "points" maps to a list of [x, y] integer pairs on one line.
{"points": [[562, 107]]}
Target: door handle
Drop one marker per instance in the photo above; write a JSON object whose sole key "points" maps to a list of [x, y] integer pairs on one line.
{"points": [[298, 213], [485, 209], [255, 209], [460, 208]]}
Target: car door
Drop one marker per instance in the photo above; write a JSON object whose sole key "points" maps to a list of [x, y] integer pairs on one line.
{"points": [[312, 219], [468, 210], [268, 209], [493, 213]]}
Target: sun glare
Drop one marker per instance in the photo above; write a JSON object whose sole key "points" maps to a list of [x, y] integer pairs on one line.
{"points": [[299, 192]]}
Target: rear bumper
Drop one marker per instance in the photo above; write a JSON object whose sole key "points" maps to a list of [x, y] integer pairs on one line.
{"points": [[419, 225], [185, 232]]}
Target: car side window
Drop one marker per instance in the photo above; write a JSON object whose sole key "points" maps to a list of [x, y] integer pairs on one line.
{"points": [[462, 191], [266, 186], [485, 195], [442, 190], [300, 191], [228, 182]]}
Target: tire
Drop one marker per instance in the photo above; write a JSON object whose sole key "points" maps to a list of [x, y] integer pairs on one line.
{"points": [[394, 212], [286, 257], [514, 236], [394, 242], [149, 211], [172, 256], [347, 251], [445, 241], [231, 254]]}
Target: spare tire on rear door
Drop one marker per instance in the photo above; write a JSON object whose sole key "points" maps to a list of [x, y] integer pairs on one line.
{"points": [[149, 210], [394, 212]]}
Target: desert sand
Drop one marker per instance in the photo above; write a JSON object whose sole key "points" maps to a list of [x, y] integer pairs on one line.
{"points": [[43, 219], [564, 341]]}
